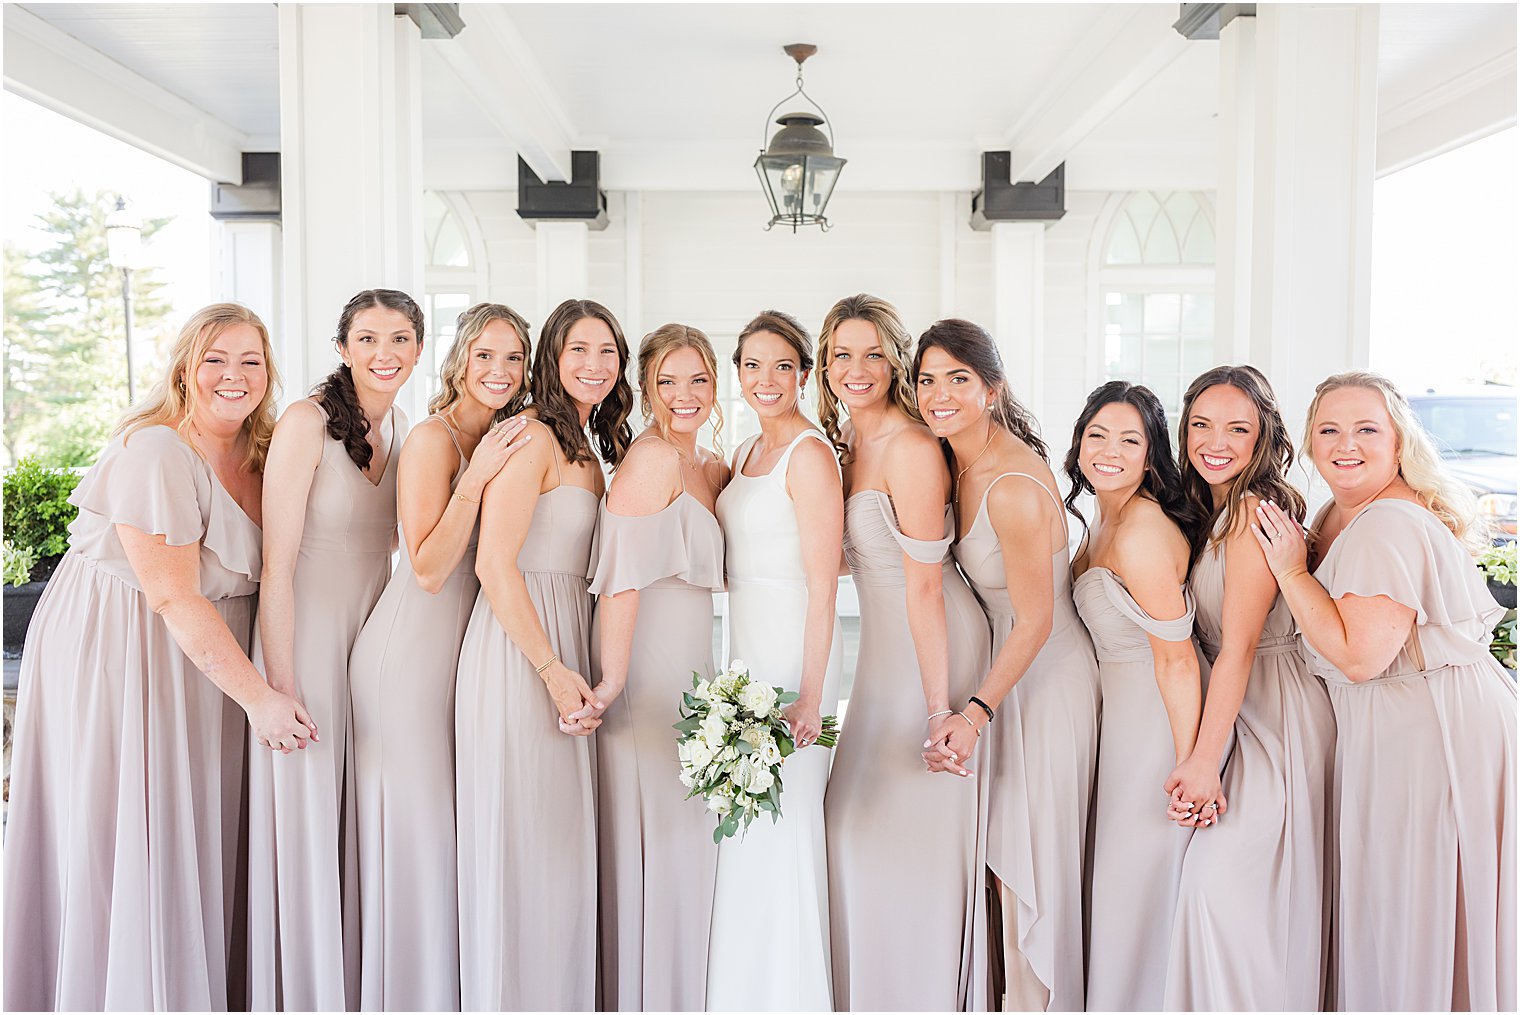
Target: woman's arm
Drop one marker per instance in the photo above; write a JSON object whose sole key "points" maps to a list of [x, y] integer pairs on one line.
{"points": [[1152, 555], [437, 522], [170, 578], [812, 481], [919, 485], [506, 513], [1360, 635], [294, 454]]}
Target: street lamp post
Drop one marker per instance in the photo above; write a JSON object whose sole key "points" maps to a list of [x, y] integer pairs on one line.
{"points": [[123, 245]]}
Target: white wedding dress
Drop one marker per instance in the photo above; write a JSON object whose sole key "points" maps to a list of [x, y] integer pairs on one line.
{"points": [[769, 947]]}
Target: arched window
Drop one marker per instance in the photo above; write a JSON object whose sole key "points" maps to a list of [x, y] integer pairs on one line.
{"points": [[1155, 271], [455, 272]]}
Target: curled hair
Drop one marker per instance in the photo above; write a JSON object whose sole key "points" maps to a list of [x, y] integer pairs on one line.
{"points": [[970, 344], [659, 344], [336, 392], [175, 396], [1419, 462], [1161, 481], [784, 325], [557, 410], [457, 360], [896, 346], [1265, 475]]}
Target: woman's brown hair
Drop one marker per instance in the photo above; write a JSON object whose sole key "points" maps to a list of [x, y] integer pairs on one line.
{"points": [[467, 329], [556, 409], [784, 325], [896, 346], [659, 344], [336, 392], [971, 344]]}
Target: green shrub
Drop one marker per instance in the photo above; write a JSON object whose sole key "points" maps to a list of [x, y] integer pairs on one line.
{"points": [[37, 508], [1498, 563], [19, 561]]}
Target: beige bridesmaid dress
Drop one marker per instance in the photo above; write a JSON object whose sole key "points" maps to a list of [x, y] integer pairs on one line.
{"points": [[1253, 908], [1425, 779], [525, 800], [303, 876], [1136, 850], [121, 841], [905, 859], [1038, 775], [658, 858], [401, 677]]}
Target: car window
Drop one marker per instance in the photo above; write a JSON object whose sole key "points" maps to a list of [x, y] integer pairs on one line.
{"points": [[1469, 425]]}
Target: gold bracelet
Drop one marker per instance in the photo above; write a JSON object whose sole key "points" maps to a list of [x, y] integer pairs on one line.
{"points": [[547, 663], [466, 499]]}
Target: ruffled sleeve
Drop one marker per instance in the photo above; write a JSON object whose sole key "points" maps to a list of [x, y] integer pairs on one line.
{"points": [[150, 480], [1177, 629], [925, 551], [682, 541]]}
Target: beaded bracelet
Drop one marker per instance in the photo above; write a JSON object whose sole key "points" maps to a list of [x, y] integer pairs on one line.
{"points": [[547, 663]]}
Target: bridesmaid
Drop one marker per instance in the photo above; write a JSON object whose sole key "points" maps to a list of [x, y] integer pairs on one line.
{"points": [[329, 530], [401, 672], [1253, 923], [121, 841], [525, 791], [783, 519], [1129, 591], [1037, 759], [1397, 621], [658, 561], [923, 645]]}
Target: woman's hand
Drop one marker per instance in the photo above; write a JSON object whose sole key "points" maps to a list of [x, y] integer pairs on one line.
{"points": [[1282, 541], [952, 739], [1194, 799], [589, 716], [280, 722], [804, 721], [496, 445], [570, 693]]}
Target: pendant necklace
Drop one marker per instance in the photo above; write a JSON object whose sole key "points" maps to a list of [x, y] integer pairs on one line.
{"points": [[991, 432]]}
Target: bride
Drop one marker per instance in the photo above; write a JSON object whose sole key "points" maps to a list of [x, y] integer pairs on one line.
{"points": [[783, 521]]}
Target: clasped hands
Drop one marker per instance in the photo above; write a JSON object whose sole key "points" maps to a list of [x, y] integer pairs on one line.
{"points": [[1194, 798]]}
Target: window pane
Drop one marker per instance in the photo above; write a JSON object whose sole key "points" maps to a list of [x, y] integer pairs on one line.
{"points": [[1124, 310], [1163, 354], [1197, 355], [449, 249], [1142, 209], [1123, 244], [1163, 311], [1161, 245], [1168, 388], [443, 314], [1198, 313], [1198, 248]]}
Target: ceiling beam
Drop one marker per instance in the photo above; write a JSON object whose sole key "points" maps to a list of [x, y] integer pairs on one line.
{"points": [[498, 67], [1128, 46], [50, 67], [1474, 104]]}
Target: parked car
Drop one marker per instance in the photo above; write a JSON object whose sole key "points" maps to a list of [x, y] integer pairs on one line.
{"points": [[1475, 430]]}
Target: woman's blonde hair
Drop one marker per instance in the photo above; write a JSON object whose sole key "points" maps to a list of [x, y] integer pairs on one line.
{"points": [[659, 344], [457, 360], [896, 346], [175, 398], [1419, 462]]}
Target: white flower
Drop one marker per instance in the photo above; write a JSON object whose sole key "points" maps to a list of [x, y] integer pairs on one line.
{"points": [[687, 779], [770, 753], [721, 802], [703, 690], [755, 735], [738, 666], [726, 709], [714, 729], [752, 777], [695, 754], [729, 753], [758, 698]]}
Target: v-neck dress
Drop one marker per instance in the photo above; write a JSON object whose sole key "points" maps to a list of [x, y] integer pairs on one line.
{"points": [[401, 677], [1038, 765], [303, 878], [126, 773], [658, 859]]}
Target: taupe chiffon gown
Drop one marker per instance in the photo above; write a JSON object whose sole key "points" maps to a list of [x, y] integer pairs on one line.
{"points": [[401, 677], [1136, 851], [121, 841], [1253, 908], [525, 791], [658, 859], [1425, 779], [905, 856], [303, 877], [1037, 772]]}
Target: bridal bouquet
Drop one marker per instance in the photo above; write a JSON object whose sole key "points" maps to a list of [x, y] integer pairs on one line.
{"points": [[733, 744]]}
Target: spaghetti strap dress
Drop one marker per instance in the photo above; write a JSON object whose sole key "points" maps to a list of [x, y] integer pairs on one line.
{"points": [[658, 858], [303, 874], [1253, 909], [121, 840], [1038, 779], [525, 792], [1425, 786], [401, 677], [1136, 851], [905, 853]]}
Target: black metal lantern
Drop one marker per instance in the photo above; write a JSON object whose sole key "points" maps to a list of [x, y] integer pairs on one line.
{"points": [[798, 169]]}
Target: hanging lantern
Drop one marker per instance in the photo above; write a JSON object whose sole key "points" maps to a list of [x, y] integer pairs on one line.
{"points": [[797, 168]]}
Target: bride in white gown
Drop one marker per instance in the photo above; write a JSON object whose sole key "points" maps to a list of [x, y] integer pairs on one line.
{"points": [[783, 521]]}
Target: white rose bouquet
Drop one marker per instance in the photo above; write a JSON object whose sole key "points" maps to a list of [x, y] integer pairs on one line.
{"points": [[733, 744]]}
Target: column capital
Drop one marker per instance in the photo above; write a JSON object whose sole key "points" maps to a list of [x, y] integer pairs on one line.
{"points": [[1205, 21]]}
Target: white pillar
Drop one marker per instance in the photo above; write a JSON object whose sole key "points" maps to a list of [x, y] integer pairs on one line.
{"points": [[1311, 221], [351, 173], [1235, 194], [563, 250], [1018, 307], [250, 270]]}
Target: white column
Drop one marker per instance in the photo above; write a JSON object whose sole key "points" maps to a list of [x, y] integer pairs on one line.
{"points": [[1018, 302], [1235, 194], [351, 173], [1311, 221], [562, 264], [250, 269]]}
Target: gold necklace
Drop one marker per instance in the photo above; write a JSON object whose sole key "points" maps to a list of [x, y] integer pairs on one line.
{"points": [[991, 432]]}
